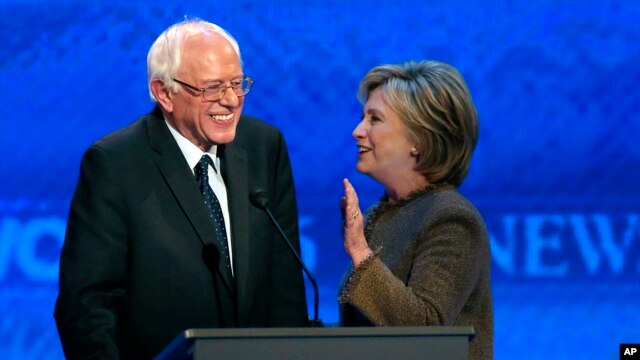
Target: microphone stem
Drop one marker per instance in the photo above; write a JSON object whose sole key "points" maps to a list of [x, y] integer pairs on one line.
{"points": [[304, 267]]}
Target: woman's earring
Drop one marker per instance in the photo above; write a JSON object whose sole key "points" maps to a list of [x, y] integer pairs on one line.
{"points": [[414, 151]]}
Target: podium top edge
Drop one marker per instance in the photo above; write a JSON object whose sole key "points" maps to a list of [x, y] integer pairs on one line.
{"points": [[184, 343], [330, 332]]}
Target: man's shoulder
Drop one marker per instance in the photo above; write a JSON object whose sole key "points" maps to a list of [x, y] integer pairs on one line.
{"points": [[130, 136], [252, 126]]}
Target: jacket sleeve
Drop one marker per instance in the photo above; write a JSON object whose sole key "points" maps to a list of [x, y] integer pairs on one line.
{"points": [[445, 269], [92, 263]]}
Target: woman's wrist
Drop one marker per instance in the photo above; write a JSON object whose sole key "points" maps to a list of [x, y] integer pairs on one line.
{"points": [[360, 256]]}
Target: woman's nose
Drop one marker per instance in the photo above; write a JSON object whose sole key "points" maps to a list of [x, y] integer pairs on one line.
{"points": [[359, 131]]}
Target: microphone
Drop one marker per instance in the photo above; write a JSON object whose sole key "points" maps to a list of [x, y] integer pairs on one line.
{"points": [[260, 198], [211, 257]]}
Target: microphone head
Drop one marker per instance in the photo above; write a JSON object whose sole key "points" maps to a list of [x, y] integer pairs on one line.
{"points": [[259, 198], [211, 257]]}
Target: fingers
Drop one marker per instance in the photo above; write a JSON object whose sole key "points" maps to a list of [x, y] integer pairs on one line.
{"points": [[350, 194], [355, 243], [351, 209]]}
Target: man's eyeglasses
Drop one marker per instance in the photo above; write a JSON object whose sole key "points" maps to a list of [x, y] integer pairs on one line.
{"points": [[239, 86]]}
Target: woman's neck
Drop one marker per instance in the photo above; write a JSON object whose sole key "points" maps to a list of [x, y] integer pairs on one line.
{"points": [[401, 187]]}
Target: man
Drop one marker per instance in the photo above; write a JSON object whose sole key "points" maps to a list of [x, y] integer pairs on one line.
{"points": [[146, 256]]}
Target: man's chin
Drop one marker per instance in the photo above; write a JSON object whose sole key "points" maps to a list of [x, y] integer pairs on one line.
{"points": [[221, 136], [221, 140]]}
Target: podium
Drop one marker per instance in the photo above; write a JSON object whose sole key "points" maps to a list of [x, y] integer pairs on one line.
{"points": [[353, 343]]}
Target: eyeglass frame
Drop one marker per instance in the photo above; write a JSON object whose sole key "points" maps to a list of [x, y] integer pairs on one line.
{"points": [[222, 90]]}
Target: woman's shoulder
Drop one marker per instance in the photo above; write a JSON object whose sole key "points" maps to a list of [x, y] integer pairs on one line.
{"points": [[443, 203], [433, 203]]}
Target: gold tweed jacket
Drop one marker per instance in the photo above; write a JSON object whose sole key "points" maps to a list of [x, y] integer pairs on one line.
{"points": [[430, 266]]}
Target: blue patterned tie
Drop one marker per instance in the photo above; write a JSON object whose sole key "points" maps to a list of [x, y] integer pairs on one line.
{"points": [[215, 211]]}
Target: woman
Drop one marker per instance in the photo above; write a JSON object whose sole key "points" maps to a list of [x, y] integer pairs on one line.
{"points": [[421, 256]]}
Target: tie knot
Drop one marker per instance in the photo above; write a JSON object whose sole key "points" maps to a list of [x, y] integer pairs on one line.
{"points": [[203, 166]]}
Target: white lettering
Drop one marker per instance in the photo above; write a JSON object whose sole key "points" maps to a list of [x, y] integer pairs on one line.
{"points": [[615, 253], [24, 240], [540, 238], [27, 257], [586, 244], [605, 238], [539, 245], [503, 254], [9, 232]]}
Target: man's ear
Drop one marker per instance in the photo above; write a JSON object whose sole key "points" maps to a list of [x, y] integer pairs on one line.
{"points": [[162, 94]]}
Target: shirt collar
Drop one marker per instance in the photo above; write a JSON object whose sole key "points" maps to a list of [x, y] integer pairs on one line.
{"points": [[191, 152]]}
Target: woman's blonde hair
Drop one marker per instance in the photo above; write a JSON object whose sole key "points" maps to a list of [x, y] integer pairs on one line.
{"points": [[433, 101]]}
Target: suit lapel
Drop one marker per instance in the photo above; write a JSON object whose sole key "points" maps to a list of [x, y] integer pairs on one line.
{"points": [[175, 170], [235, 174]]}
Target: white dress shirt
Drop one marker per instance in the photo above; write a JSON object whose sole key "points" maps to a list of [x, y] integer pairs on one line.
{"points": [[193, 154]]}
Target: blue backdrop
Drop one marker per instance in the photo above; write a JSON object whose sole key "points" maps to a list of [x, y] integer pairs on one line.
{"points": [[555, 173]]}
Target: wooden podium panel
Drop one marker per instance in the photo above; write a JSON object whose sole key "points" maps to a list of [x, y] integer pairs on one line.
{"points": [[370, 343]]}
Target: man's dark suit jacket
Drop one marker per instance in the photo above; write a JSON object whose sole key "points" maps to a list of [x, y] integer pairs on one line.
{"points": [[132, 275]]}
